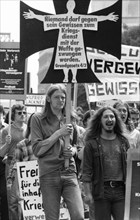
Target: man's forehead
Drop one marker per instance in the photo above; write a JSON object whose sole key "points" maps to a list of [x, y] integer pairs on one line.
{"points": [[108, 111], [58, 92], [19, 110], [135, 116]]}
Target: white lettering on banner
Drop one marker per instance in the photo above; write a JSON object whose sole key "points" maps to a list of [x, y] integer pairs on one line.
{"points": [[30, 192]]}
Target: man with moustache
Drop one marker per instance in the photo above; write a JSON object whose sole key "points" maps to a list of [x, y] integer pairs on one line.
{"points": [[7, 149], [104, 164]]}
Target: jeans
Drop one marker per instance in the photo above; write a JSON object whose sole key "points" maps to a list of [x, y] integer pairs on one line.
{"points": [[65, 184], [112, 204], [15, 211]]}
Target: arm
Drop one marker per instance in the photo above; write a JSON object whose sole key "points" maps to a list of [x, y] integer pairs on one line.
{"points": [[87, 170], [88, 193], [138, 141], [32, 15], [4, 146], [41, 145], [110, 17]]}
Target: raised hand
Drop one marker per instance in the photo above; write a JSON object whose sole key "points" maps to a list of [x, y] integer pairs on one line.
{"points": [[112, 17], [29, 15]]}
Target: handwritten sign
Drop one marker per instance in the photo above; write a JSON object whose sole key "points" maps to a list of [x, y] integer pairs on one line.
{"points": [[132, 200], [35, 100], [108, 64], [118, 87], [29, 189], [119, 78]]}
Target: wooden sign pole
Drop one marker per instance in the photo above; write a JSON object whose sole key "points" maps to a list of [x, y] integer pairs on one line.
{"points": [[75, 95], [68, 118], [9, 129]]}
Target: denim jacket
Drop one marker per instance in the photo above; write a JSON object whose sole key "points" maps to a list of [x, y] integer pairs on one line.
{"points": [[92, 169]]}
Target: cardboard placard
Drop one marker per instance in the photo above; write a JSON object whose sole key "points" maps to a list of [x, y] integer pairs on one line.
{"points": [[132, 199]]}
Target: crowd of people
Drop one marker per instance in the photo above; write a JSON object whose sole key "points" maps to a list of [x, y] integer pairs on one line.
{"points": [[94, 182]]}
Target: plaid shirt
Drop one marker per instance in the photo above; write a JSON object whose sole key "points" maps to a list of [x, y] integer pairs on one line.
{"points": [[23, 152]]}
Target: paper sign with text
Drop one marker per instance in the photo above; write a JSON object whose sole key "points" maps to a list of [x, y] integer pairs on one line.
{"points": [[132, 196], [35, 100], [120, 79], [29, 189], [114, 87], [28, 178]]}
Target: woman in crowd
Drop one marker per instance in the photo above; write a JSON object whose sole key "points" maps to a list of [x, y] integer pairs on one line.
{"points": [[131, 133]]}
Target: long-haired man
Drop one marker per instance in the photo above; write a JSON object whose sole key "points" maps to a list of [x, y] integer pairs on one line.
{"points": [[48, 130], [104, 164]]}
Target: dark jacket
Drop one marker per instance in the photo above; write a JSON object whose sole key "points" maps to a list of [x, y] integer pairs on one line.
{"points": [[92, 169]]}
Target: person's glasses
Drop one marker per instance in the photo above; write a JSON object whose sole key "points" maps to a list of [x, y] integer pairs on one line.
{"points": [[22, 112]]}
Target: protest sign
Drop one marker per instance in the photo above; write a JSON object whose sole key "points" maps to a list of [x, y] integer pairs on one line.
{"points": [[29, 189], [12, 72], [69, 32], [119, 79], [35, 100], [132, 198]]}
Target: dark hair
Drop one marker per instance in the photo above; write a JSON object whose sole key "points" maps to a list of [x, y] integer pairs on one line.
{"points": [[134, 111], [7, 118], [79, 108], [74, 114], [14, 108], [28, 129], [2, 110], [49, 93], [95, 126], [87, 115]]}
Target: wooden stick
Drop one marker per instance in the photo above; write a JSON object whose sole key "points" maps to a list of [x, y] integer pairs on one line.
{"points": [[68, 119], [75, 95], [87, 96], [9, 129]]}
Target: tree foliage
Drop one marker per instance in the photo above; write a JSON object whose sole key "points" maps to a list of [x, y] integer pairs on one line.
{"points": [[131, 36]]}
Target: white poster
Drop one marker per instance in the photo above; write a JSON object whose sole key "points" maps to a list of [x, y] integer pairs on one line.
{"points": [[120, 79], [29, 189]]}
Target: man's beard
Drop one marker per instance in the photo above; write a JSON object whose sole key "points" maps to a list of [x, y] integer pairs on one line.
{"points": [[109, 131]]}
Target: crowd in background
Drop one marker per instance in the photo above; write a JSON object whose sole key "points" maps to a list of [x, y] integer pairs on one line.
{"points": [[16, 145]]}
